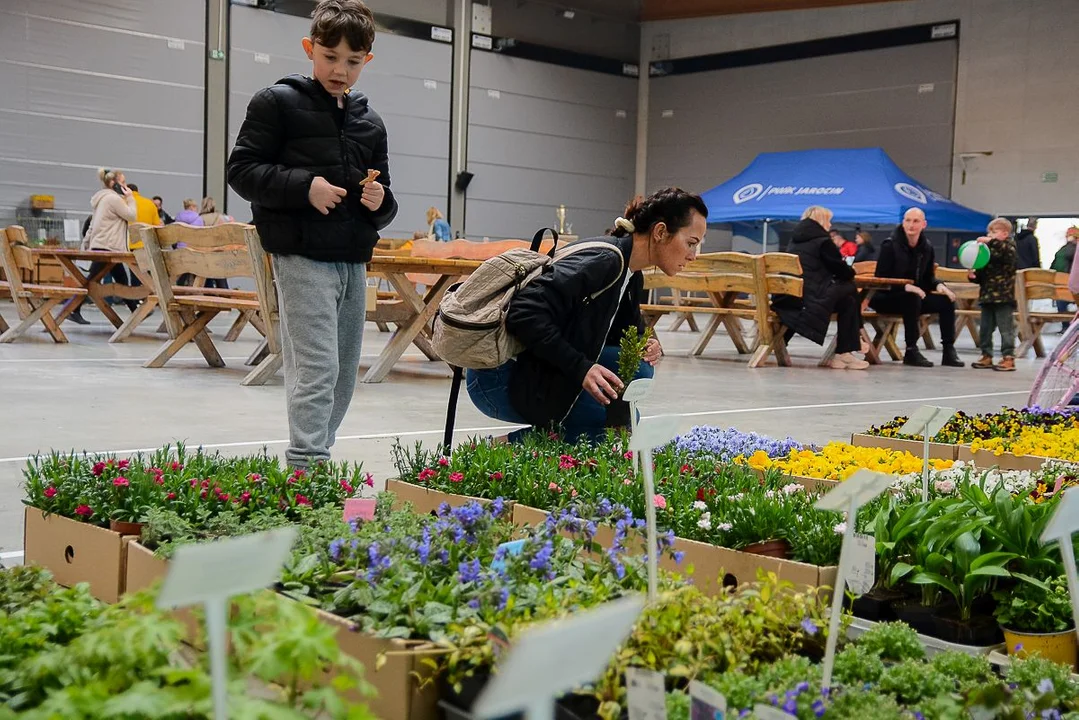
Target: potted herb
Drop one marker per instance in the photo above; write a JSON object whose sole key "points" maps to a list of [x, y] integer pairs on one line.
{"points": [[1036, 617], [630, 354]]}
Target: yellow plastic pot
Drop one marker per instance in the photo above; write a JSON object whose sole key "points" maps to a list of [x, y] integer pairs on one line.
{"points": [[1060, 647]]}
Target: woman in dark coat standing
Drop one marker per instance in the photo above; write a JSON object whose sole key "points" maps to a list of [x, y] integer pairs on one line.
{"points": [[827, 288]]}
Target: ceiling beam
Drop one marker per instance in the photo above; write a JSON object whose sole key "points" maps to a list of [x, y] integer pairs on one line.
{"points": [[682, 9]]}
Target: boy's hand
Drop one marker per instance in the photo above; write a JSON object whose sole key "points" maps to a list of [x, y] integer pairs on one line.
{"points": [[323, 196], [972, 276], [373, 194], [983, 239]]}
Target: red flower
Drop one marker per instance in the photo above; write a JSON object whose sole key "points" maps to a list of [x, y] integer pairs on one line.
{"points": [[176, 467], [245, 496], [567, 462], [194, 482], [301, 500], [456, 477], [700, 494], [254, 477], [496, 476], [84, 511], [346, 487], [202, 495], [685, 469], [369, 480], [159, 480], [50, 492], [444, 461], [223, 497], [124, 464], [157, 471], [299, 475], [121, 481], [628, 455], [206, 483], [426, 474], [552, 436], [171, 496], [99, 467]]}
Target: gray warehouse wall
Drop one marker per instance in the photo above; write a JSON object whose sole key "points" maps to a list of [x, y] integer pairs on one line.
{"points": [[108, 83], [542, 135], [706, 127], [408, 83]]}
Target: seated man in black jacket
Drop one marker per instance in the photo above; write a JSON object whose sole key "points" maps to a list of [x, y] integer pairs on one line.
{"points": [[907, 254], [572, 317]]}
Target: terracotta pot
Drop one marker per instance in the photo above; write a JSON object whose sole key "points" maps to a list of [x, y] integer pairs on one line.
{"points": [[770, 548], [125, 528], [1060, 647]]}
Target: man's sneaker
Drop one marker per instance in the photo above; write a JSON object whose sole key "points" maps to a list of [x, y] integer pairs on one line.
{"points": [[1006, 365], [77, 318], [951, 358], [915, 359], [985, 362]]}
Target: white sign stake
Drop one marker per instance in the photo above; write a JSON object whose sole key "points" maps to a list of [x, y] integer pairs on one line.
{"points": [[927, 421], [649, 434], [634, 393], [211, 573], [1061, 527], [860, 488], [554, 658]]}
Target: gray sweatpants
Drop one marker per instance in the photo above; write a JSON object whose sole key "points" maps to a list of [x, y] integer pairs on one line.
{"points": [[323, 311]]}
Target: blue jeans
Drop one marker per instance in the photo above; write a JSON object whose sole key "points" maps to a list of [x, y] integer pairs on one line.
{"points": [[489, 391]]}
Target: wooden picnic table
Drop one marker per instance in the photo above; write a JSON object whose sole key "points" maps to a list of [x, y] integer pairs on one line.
{"points": [[717, 288], [419, 310], [95, 288]]}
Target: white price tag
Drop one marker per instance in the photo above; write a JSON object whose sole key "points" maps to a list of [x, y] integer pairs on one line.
{"points": [[653, 432], [862, 564], [767, 712], [639, 389], [927, 420], [706, 703], [646, 695]]}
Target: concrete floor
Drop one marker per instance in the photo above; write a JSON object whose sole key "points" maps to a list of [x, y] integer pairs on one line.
{"points": [[89, 395]]}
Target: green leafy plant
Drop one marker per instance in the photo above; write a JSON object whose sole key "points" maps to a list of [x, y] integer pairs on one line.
{"points": [[857, 665], [631, 349], [910, 681], [1035, 607], [968, 671], [893, 642], [1031, 674]]}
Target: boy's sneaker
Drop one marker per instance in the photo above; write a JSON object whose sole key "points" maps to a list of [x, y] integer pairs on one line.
{"points": [[1006, 365], [985, 362]]}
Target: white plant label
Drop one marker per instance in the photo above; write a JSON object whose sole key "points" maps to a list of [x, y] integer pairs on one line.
{"points": [[767, 712], [705, 702], [862, 564], [646, 694], [927, 421], [638, 390]]}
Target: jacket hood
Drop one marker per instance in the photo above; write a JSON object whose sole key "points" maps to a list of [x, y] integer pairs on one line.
{"points": [[807, 230], [314, 88], [99, 196]]}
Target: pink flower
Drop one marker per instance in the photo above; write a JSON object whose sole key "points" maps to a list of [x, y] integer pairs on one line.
{"points": [[99, 467], [627, 481], [223, 497], [444, 461], [245, 496], [254, 477], [573, 492], [552, 436], [171, 496], [628, 455], [202, 495], [124, 464], [456, 477], [426, 474], [301, 500], [157, 471], [159, 480], [554, 487], [567, 462], [496, 476], [84, 511], [206, 483], [346, 487], [50, 492], [121, 481], [369, 480], [660, 502], [176, 467]]}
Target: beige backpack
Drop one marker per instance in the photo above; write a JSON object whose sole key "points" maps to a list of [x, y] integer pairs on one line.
{"points": [[470, 327]]}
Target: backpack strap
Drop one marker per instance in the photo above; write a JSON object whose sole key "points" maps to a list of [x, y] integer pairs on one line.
{"points": [[598, 245], [451, 410], [537, 240]]}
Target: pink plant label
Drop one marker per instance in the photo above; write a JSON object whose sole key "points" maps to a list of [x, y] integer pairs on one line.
{"points": [[362, 508]]}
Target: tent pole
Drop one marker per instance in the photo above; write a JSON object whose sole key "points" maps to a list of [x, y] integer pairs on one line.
{"points": [[764, 238]]}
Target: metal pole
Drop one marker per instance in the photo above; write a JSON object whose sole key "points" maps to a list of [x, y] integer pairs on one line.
{"points": [[216, 629], [640, 185], [650, 516], [837, 594], [764, 238], [925, 464]]}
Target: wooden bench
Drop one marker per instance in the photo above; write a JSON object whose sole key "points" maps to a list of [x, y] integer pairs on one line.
{"points": [[222, 251], [33, 301], [724, 277], [1039, 284], [967, 312]]}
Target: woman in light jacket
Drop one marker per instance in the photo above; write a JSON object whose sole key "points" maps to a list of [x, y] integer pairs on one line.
{"points": [[210, 217], [114, 208]]}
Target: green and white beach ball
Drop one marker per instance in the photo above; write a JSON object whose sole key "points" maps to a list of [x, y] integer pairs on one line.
{"points": [[973, 255]]}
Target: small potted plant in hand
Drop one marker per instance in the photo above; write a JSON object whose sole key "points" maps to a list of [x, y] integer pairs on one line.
{"points": [[630, 355], [1036, 617]]}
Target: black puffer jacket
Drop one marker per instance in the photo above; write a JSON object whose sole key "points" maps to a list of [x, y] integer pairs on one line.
{"points": [[825, 278], [899, 260], [564, 332], [294, 132]]}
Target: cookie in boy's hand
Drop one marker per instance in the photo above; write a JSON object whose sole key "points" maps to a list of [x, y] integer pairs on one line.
{"points": [[372, 175]]}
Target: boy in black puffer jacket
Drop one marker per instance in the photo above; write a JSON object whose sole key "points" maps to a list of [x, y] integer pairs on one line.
{"points": [[307, 157]]}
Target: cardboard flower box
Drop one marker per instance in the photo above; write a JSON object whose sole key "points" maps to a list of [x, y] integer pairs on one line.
{"points": [[76, 552], [937, 451], [425, 501]]}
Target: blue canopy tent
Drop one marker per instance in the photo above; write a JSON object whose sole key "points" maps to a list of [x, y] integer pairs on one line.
{"points": [[861, 185]]}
